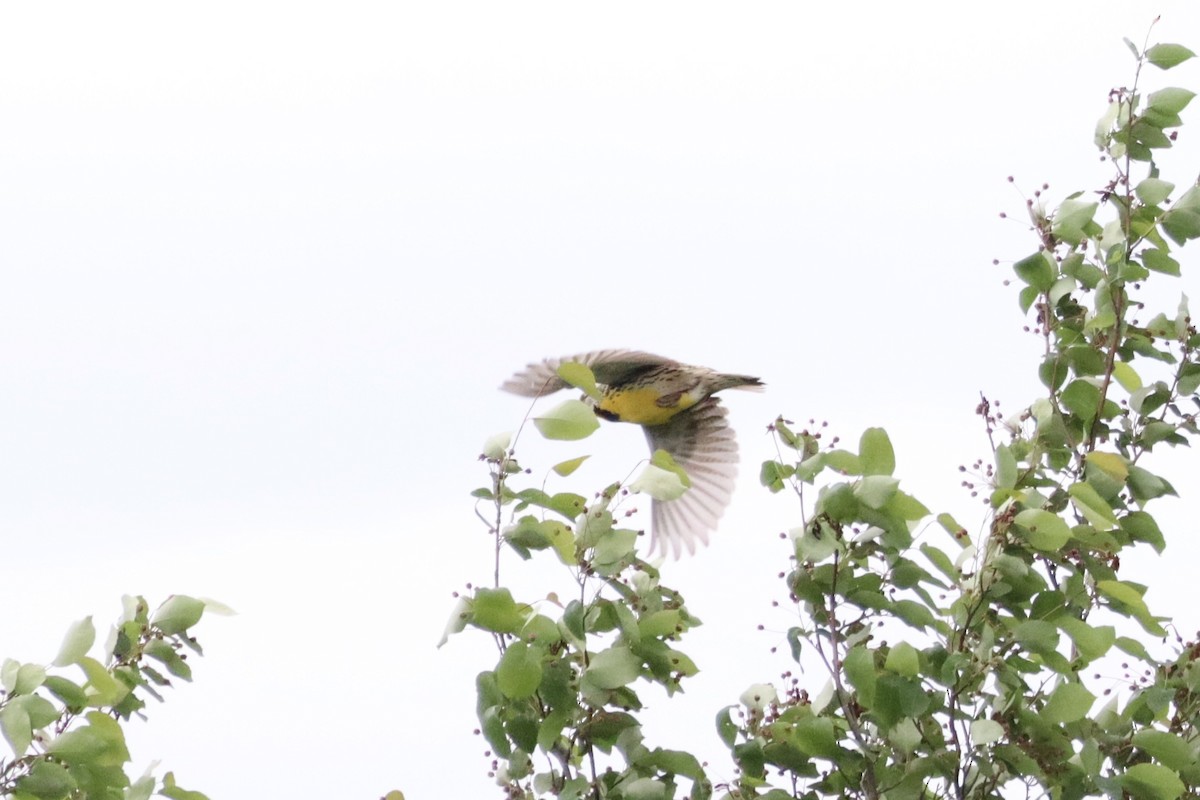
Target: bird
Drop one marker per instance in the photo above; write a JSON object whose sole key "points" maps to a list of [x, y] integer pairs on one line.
{"points": [[675, 406]]}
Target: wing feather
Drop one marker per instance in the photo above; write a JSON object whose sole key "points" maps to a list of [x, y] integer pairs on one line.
{"points": [[609, 366], [701, 441]]}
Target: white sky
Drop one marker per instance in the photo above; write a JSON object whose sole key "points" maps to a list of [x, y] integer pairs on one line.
{"points": [[264, 265]]}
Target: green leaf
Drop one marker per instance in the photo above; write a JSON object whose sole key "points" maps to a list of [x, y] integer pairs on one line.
{"points": [[1043, 530], [773, 474], [1190, 199], [1170, 100], [541, 629], [913, 613], [843, 461], [534, 534], [1092, 641], [70, 693], [1152, 782], [903, 660], [1037, 270], [1149, 398], [1168, 749], [906, 737], [659, 483], [1161, 120], [813, 545], [101, 742], [102, 688], [29, 677], [165, 654], [1006, 468], [1068, 703], [942, 562], [580, 377], [1146, 485], [79, 639], [1072, 219], [1153, 191], [906, 507], [673, 762], [875, 452], [664, 622], [1127, 376], [1027, 297], [177, 614], [1094, 508], [174, 792], [859, 666], [1134, 648], [874, 491], [1165, 56], [957, 532], [455, 624], [494, 610], [644, 789], [565, 468], [1038, 636], [1141, 527], [810, 468], [816, 736], [1146, 133], [495, 447], [1051, 428], [1088, 274], [1101, 320], [614, 551], [899, 697], [48, 781], [520, 670], [1181, 224], [16, 727], [565, 504], [1131, 598], [567, 421], [491, 722], [1157, 431], [838, 500], [727, 729], [1160, 326], [42, 713], [985, 732], [593, 527], [1107, 472], [613, 668], [1085, 359], [1061, 288], [1082, 398], [1189, 378]]}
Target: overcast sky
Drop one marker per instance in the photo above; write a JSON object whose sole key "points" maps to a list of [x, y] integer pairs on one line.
{"points": [[265, 264]]}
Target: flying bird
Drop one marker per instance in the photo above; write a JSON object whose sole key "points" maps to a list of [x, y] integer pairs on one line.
{"points": [[674, 404]]}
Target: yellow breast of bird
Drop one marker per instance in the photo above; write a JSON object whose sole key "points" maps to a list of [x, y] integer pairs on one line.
{"points": [[641, 404]]}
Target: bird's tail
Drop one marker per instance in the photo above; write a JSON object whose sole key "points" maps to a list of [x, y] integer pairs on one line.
{"points": [[745, 382]]}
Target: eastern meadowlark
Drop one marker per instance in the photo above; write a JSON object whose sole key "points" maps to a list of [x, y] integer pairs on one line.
{"points": [[674, 404]]}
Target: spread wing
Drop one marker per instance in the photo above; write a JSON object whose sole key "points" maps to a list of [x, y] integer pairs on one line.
{"points": [[609, 367], [700, 441]]}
